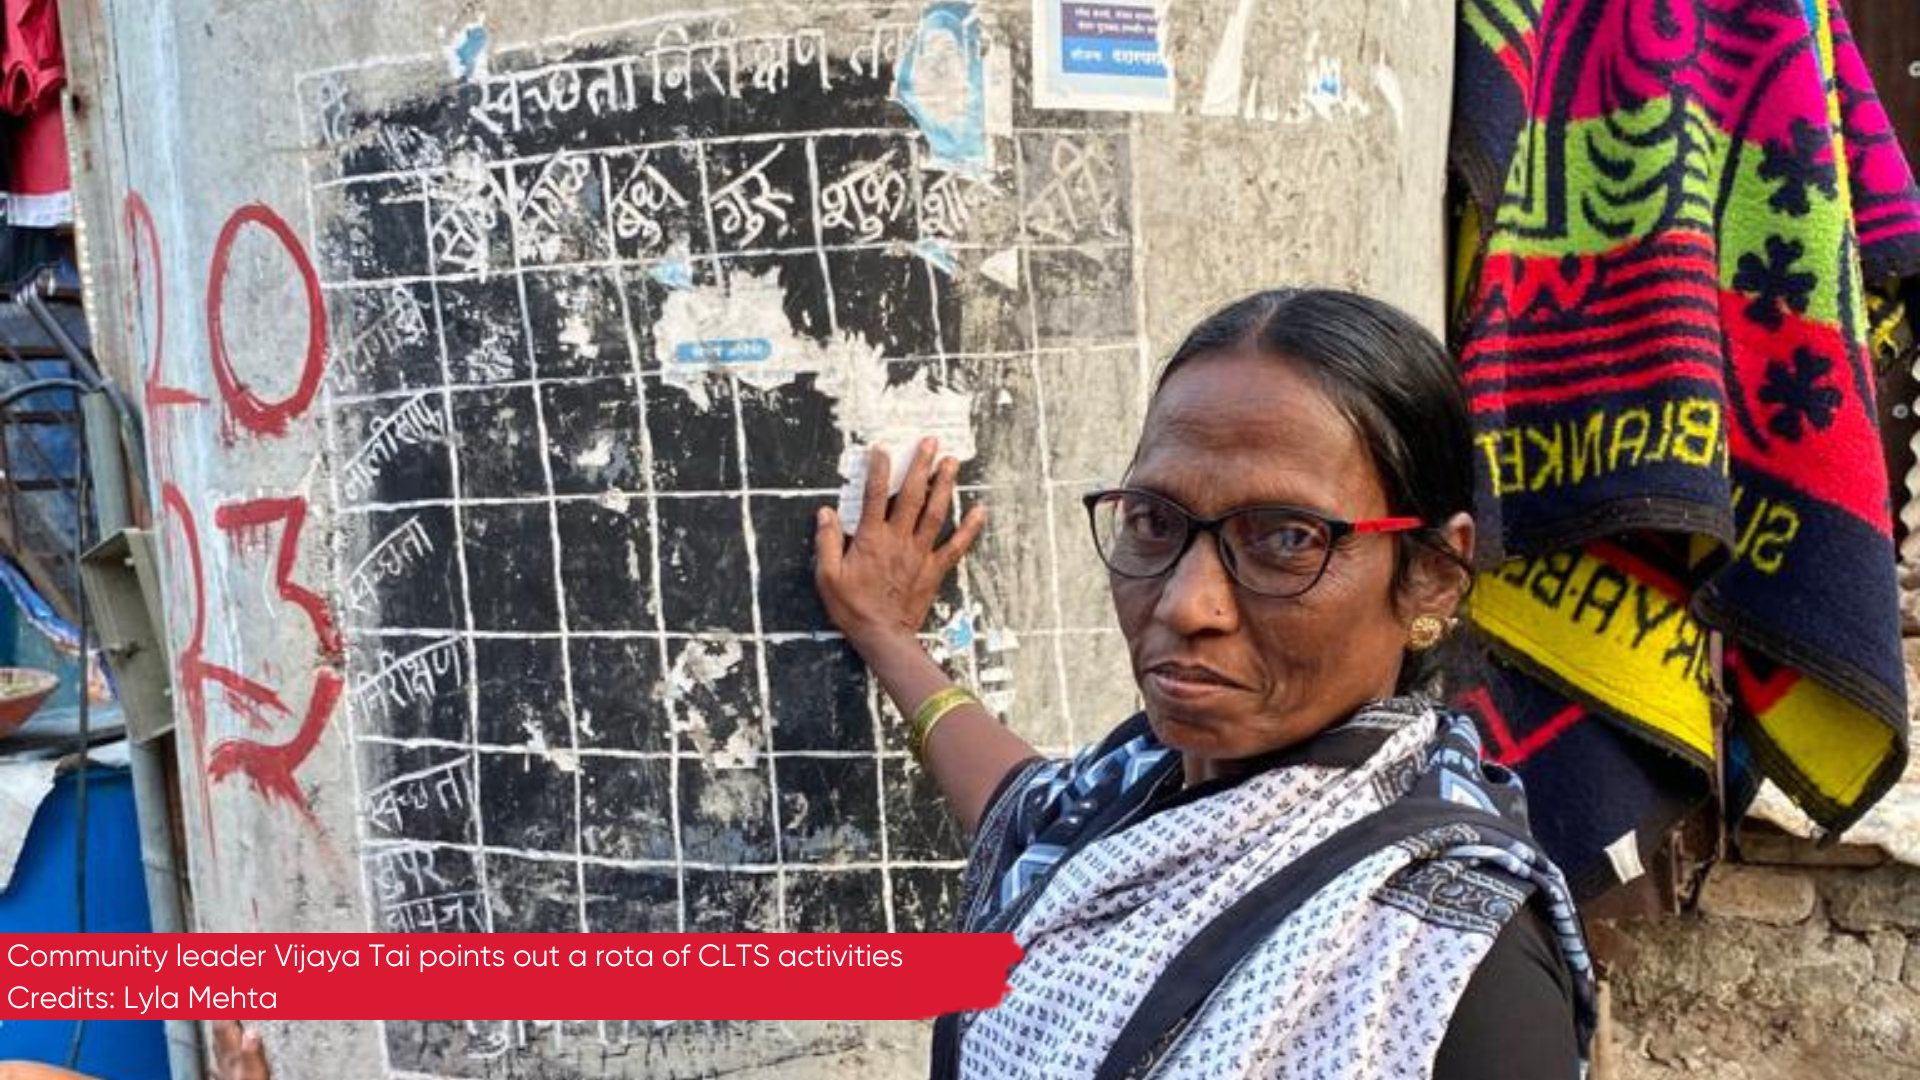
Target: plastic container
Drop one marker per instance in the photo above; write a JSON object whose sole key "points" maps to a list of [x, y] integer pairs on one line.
{"points": [[41, 898], [22, 690]]}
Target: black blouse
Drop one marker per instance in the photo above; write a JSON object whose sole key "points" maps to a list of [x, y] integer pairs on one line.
{"points": [[1515, 1018]]}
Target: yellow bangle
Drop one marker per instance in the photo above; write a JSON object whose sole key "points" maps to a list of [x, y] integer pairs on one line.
{"points": [[933, 710]]}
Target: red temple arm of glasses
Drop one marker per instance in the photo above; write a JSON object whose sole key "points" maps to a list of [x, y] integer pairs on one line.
{"points": [[1386, 525]]}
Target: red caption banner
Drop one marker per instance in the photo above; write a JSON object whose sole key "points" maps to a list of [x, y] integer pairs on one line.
{"points": [[488, 976]]}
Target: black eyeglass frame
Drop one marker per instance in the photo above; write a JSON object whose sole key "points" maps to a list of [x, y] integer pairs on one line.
{"points": [[1337, 530]]}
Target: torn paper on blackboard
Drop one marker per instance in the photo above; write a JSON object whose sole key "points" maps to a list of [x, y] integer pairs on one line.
{"points": [[941, 80], [1105, 56], [895, 421]]}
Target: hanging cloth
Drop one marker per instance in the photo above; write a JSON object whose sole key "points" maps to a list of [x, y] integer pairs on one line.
{"points": [[1664, 340], [32, 73]]}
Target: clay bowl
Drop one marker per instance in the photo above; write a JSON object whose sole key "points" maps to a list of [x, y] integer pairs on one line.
{"points": [[21, 692]]}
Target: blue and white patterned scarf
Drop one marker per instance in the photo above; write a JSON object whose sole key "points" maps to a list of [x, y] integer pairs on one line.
{"points": [[1103, 871]]}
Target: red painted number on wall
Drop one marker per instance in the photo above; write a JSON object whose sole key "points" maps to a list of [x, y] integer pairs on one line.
{"points": [[279, 737]]}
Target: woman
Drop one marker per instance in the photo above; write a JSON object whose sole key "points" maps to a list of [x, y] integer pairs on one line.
{"points": [[1291, 863]]}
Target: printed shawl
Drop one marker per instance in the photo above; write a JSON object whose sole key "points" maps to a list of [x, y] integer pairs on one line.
{"points": [[1359, 981], [1664, 342]]}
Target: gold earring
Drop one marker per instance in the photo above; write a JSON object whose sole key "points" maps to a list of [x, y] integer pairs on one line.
{"points": [[1425, 632]]}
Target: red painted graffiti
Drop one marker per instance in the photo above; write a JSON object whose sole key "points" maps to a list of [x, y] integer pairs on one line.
{"points": [[270, 766], [150, 283], [247, 408], [246, 526], [192, 671]]}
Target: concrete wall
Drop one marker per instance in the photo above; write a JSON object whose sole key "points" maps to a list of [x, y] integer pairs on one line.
{"points": [[486, 538]]}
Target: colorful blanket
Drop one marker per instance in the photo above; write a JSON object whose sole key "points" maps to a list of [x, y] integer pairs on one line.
{"points": [[1664, 340]]}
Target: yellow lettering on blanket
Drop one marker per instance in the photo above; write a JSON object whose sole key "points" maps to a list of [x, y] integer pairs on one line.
{"points": [[1571, 451], [1763, 529], [1611, 638]]}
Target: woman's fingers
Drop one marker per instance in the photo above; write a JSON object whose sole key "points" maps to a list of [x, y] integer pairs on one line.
{"points": [[962, 540], [226, 1038], [829, 544], [873, 505], [933, 516], [253, 1059], [237, 1052], [913, 489]]}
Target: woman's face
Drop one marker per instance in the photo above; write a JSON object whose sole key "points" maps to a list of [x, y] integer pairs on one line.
{"points": [[1229, 674]]}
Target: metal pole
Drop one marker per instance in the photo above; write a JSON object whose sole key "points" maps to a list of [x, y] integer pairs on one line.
{"points": [[106, 468], [114, 512], [32, 297]]}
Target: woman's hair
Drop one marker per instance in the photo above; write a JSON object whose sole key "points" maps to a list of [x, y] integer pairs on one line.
{"points": [[1391, 379]]}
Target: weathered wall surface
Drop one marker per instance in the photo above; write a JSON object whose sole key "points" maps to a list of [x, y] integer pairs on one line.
{"points": [[1800, 962], [494, 356]]}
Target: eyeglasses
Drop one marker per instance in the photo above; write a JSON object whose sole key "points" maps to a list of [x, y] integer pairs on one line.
{"points": [[1277, 551]]}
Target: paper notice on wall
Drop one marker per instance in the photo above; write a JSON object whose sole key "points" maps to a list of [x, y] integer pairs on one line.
{"points": [[950, 425], [1104, 56]]}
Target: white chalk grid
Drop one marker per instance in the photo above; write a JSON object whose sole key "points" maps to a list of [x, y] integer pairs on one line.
{"points": [[609, 319]]}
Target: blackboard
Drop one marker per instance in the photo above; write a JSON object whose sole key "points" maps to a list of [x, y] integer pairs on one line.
{"points": [[608, 317]]}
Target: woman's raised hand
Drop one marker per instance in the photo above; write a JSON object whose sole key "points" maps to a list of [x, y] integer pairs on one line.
{"points": [[878, 590], [882, 584]]}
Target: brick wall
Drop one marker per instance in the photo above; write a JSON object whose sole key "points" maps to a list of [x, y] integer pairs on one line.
{"points": [[1795, 962]]}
